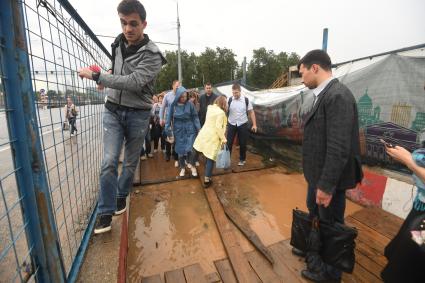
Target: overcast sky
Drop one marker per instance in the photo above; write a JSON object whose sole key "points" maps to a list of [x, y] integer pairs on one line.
{"points": [[357, 28]]}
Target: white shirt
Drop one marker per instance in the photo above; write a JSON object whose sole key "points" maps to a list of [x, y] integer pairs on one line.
{"points": [[237, 111], [320, 88]]}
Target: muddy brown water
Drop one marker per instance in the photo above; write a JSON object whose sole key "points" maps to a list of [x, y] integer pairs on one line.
{"points": [[171, 225]]}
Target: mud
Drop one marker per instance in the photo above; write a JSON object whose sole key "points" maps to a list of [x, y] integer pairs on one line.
{"points": [[171, 225]]}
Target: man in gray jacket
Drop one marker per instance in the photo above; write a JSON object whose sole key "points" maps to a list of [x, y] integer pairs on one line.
{"points": [[135, 66]]}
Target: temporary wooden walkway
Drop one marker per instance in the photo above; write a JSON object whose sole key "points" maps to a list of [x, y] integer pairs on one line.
{"points": [[376, 228]]}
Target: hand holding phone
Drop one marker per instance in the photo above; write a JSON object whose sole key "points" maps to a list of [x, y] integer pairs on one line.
{"points": [[387, 144]]}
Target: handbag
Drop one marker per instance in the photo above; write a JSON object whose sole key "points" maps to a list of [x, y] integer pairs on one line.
{"points": [[337, 240], [223, 158]]}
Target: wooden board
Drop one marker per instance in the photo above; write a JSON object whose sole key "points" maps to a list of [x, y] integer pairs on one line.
{"points": [[368, 235], [244, 272], [283, 267], [194, 274], [212, 277], [378, 219], [174, 276], [225, 270], [262, 267], [243, 226], [152, 279]]}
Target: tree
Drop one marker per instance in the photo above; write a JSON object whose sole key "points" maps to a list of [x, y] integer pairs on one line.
{"points": [[266, 66]]}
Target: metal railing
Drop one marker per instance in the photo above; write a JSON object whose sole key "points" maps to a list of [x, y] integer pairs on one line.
{"points": [[48, 177]]}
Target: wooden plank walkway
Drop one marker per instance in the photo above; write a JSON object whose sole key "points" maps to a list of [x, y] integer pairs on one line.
{"points": [[376, 228]]}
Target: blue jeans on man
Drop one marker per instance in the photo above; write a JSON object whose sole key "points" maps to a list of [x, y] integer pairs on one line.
{"points": [[129, 126], [335, 211]]}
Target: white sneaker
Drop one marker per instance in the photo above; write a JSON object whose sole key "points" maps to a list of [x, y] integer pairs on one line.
{"points": [[197, 164], [189, 165], [241, 163], [194, 172], [143, 157], [182, 172], [150, 155], [176, 164]]}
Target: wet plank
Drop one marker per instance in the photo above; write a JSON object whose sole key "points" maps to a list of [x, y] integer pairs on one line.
{"points": [[376, 255], [360, 274], [368, 264], [152, 279], [380, 220], [174, 276], [194, 274], [243, 226], [368, 235], [239, 263], [225, 270], [157, 170], [213, 277], [281, 266], [263, 268], [295, 263]]}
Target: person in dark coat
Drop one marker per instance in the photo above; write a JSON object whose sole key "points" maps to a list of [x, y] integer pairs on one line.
{"points": [[206, 99], [331, 147], [183, 123]]}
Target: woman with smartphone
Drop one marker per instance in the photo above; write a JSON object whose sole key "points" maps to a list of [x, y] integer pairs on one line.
{"points": [[406, 252]]}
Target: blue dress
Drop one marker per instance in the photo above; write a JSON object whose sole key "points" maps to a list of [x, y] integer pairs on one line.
{"points": [[182, 122]]}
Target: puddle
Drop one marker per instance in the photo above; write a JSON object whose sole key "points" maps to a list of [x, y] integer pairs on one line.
{"points": [[171, 226]]}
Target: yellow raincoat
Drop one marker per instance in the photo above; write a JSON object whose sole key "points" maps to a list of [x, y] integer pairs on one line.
{"points": [[212, 133]]}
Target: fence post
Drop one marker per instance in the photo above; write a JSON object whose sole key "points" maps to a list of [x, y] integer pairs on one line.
{"points": [[26, 149]]}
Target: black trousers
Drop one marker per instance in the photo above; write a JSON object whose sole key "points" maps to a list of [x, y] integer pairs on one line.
{"points": [[243, 133], [335, 211], [157, 135]]}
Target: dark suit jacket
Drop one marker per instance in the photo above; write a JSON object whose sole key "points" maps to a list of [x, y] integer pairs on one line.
{"points": [[331, 146], [203, 105]]}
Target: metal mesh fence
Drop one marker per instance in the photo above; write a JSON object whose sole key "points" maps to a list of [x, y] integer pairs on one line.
{"points": [[57, 46]]}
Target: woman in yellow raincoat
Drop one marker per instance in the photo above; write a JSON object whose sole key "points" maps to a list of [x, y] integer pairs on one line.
{"points": [[212, 135]]}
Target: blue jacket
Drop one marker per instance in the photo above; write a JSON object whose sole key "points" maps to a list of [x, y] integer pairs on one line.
{"points": [[185, 122]]}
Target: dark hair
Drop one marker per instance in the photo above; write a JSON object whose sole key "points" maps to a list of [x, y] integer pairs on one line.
{"points": [[208, 83], [127, 7], [318, 57], [236, 86]]}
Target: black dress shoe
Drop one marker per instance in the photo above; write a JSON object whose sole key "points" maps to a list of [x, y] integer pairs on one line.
{"points": [[319, 276], [298, 252]]}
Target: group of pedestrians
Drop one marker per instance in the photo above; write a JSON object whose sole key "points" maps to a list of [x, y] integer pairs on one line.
{"points": [[331, 150], [190, 124]]}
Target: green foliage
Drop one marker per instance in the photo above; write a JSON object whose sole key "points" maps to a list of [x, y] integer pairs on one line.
{"points": [[266, 66], [219, 65], [213, 66]]}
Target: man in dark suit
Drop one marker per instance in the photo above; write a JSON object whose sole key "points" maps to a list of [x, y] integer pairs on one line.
{"points": [[206, 99], [331, 147]]}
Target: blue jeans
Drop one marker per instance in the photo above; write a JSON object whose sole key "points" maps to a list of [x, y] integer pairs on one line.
{"points": [[209, 166], [335, 211], [189, 158], [120, 126]]}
